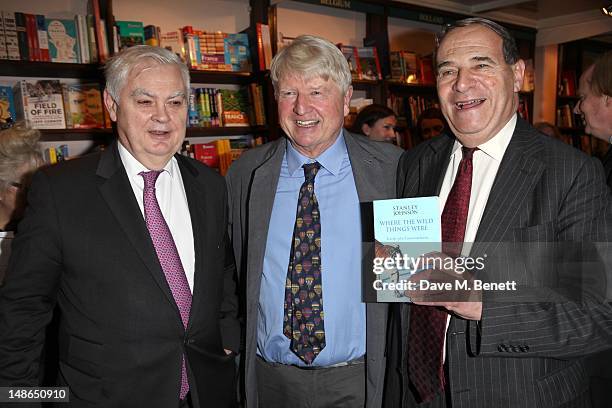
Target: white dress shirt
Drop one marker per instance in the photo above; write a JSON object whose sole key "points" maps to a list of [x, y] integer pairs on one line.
{"points": [[485, 162], [172, 200]]}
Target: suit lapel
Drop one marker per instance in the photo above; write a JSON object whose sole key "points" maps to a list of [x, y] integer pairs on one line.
{"points": [[519, 171], [261, 195], [116, 190], [367, 171]]}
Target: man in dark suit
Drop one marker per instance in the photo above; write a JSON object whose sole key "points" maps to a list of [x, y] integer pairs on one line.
{"points": [[321, 347], [499, 181], [130, 244], [595, 104]]}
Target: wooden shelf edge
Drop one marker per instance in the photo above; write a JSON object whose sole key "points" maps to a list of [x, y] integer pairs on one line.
{"points": [[50, 70]]}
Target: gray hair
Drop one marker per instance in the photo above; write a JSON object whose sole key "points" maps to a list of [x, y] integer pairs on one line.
{"points": [[509, 49], [310, 56], [18, 147], [601, 79], [118, 68]]}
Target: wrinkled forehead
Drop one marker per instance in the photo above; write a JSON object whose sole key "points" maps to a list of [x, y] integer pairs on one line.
{"points": [[473, 40]]}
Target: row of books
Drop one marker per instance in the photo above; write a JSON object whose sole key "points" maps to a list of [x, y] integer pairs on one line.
{"points": [[34, 37], [221, 153], [51, 104], [409, 108], [566, 117], [408, 67], [211, 107]]}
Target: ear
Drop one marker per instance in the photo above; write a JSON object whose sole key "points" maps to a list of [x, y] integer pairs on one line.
{"points": [[347, 99], [111, 105], [366, 129], [518, 69]]}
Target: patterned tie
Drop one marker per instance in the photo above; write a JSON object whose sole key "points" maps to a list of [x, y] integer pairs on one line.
{"points": [[168, 258], [428, 324], [303, 310]]}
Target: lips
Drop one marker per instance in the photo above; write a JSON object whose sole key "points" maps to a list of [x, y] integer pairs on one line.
{"points": [[158, 132], [469, 103], [306, 123]]}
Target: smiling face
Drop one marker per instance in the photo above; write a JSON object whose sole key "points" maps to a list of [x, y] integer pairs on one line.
{"points": [[383, 130], [151, 114], [477, 88], [596, 110], [311, 112]]}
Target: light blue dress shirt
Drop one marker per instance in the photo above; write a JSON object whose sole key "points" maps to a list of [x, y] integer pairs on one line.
{"points": [[345, 314]]}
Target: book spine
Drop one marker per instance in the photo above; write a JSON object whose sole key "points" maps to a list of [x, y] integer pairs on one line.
{"points": [[10, 35], [81, 23], [43, 40], [67, 110], [3, 52], [91, 37], [260, 48], [32, 31], [22, 36]]}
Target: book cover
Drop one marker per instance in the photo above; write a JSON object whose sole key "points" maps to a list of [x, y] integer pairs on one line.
{"points": [[207, 153], [410, 67], [83, 106], [350, 53], [173, 41], [151, 35], [10, 34], [63, 40], [130, 33], [82, 38], [236, 50], [235, 107], [264, 46], [22, 36], [368, 64], [32, 31], [7, 107], [40, 103], [395, 62]]}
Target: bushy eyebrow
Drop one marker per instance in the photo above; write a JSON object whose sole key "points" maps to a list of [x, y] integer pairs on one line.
{"points": [[474, 59], [140, 92]]}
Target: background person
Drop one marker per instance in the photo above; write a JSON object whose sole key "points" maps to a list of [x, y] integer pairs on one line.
{"points": [[431, 123], [377, 122]]}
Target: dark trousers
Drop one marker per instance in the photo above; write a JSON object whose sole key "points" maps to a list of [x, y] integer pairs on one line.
{"points": [[282, 386]]}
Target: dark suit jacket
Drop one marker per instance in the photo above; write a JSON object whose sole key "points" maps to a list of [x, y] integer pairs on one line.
{"points": [[520, 354], [252, 182], [607, 162], [84, 245]]}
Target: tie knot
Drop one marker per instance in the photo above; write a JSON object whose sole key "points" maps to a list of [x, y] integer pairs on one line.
{"points": [[468, 152], [150, 177], [310, 170]]}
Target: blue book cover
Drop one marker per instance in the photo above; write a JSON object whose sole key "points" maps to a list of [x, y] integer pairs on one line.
{"points": [[63, 40], [409, 228], [7, 107], [236, 47]]}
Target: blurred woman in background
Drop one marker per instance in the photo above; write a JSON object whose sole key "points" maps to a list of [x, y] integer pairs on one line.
{"points": [[376, 122]]}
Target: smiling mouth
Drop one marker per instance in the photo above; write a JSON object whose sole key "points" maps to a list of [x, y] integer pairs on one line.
{"points": [[469, 104], [306, 123], [159, 132]]}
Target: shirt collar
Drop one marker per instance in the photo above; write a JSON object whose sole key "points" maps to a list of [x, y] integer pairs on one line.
{"points": [[331, 159], [133, 167], [497, 145]]}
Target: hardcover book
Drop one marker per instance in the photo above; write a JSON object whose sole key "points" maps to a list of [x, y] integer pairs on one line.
{"points": [[368, 63], [63, 40], [40, 103], [7, 107], [236, 48], [236, 107], [83, 105], [130, 33]]}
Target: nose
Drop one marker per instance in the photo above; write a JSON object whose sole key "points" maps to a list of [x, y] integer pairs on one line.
{"points": [[464, 81], [300, 106], [577, 110], [161, 113]]}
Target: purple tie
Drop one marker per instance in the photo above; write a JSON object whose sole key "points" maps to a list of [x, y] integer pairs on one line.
{"points": [[168, 258]]}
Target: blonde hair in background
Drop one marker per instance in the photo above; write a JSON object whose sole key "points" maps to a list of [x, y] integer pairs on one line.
{"points": [[309, 56], [18, 146], [117, 69]]}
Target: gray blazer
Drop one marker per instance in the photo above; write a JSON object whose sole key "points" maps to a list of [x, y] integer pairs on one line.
{"points": [[252, 182], [521, 354]]}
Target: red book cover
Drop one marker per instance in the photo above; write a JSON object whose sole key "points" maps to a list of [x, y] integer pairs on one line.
{"points": [[207, 154]]}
